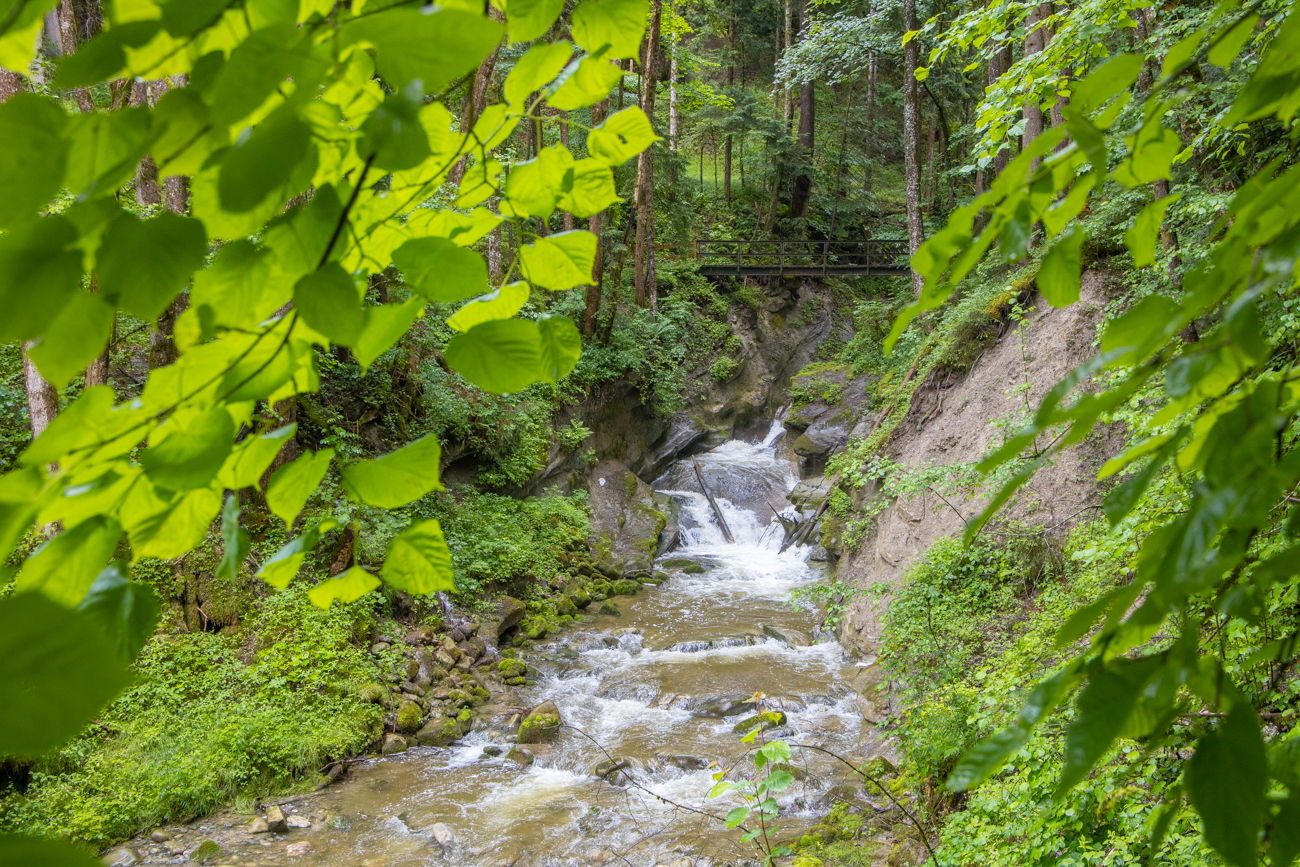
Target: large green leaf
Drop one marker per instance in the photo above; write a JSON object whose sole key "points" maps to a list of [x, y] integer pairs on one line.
{"points": [[539, 65], [291, 485], [1284, 837], [235, 543], [126, 610], [284, 564], [57, 669], [622, 136], [189, 450], [590, 81], [561, 346], [105, 148], [441, 270], [394, 135], [433, 48], [1141, 239], [328, 300], [1059, 276], [533, 187], [250, 458], [613, 24], [560, 261], [22, 25], [399, 477], [40, 269], [164, 525], [527, 20], [64, 567], [508, 355], [592, 189], [1140, 331], [265, 162], [384, 325], [232, 287], [1106, 81], [42, 851], [33, 155], [348, 587], [418, 560], [74, 339], [1227, 779], [1104, 707], [142, 264], [501, 304]]}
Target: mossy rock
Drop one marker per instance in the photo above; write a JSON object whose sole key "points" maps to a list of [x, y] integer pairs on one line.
{"points": [[693, 569], [511, 668], [581, 599], [566, 607], [601, 589], [516, 681], [654, 580], [439, 732], [534, 628], [540, 726], [678, 563], [464, 721], [610, 608], [626, 587], [207, 852], [460, 698], [520, 756], [410, 716], [372, 693]]}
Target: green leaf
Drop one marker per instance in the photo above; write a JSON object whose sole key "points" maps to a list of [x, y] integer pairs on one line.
{"points": [[395, 135], [126, 610], [773, 752], [435, 48], [441, 270], [264, 162], [479, 184], [18, 35], [188, 450], [1284, 836], [560, 261], [614, 24], [42, 851], [591, 190], [1141, 239], [249, 459], [19, 489], [501, 304], [1123, 497], [33, 155], [169, 526], [284, 564], [348, 587], [1106, 81], [1145, 327], [622, 136], [232, 287], [1104, 707], [142, 264], [779, 781], [591, 80], [527, 20], [40, 269], [104, 57], [561, 346], [328, 300], [64, 567], [235, 542], [986, 757], [1059, 275], [1083, 618], [384, 324], [418, 560], [1227, 780], [74, 339], [463, 229], [399, 477], [736, 816], [58, 670], [1230, 43], [499, 356], [105, 148], [291, 485], [1152, 150], [533, 187], [539, 65]]}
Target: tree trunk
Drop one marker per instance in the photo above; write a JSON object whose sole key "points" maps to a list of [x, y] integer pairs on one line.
{"points": [[927, 195], [474, 105], [147, 191], [42, 398], [643, 259], [731, 81], [789, 42], [162, 346], [869, 144], [1035, 41], [911, 134], [1004, 154], [672, 98], [592, 310]]}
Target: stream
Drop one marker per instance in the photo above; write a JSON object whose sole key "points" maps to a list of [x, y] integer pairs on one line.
{"points": [[658, 689]]}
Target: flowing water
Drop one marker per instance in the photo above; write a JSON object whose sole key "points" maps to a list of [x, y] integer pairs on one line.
{"points": [[660, 688]]}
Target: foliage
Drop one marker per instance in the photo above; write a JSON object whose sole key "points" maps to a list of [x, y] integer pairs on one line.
{"points": [[758, 793]]}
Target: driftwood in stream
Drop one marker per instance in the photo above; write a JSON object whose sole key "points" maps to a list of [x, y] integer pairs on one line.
{"points": [[717, 510], [804, 529]]}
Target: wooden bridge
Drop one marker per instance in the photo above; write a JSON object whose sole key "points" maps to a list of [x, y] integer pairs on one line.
{"points": [[795, 258]]}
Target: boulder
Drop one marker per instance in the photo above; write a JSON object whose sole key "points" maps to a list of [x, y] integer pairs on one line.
{"points": [[409, 717], [566, 607], [442, 834], [511, 668], [610, 766], [766, 720], [626, 587], [626, 523], [542, 725], [123, 856], [160, 836], [275, 819], [520, 756], [394, 744], [580, 599], [725, 705], [825, 436], [206, 852], [299, 822], [439, 732], [257, 826], [609, 608], [509, 612]]}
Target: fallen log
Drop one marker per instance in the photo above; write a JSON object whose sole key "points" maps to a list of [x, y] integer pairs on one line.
{"points": [[717, 510]]}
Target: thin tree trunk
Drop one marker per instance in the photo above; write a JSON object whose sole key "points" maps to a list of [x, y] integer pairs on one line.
{"points": [[563, 125], [592, 309], [1004, 154], [42, 398], [672, 98], [1035, 41], [67, 45], [869, 145], [789, 43], [11, 84], [927, 194], [475, 102], [911, 134], [643, 258], [731, 81]]}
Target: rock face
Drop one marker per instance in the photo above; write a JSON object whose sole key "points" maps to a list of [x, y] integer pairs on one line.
{"points": [[540, 726], [625, 521]]}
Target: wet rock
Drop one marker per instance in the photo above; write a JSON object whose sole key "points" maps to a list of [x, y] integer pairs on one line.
{"points": [[379, 647], [509, 612], [791, 637], [409, 717], [678, 563], [630, 643], [818, 554], [520, 756], [298, 822], [626, 587], [160, 836], [295, 850], [580, 599], [257, 826], [686, 763], [725, 705], [456, 634], [439, 732], [767, 720], [566, 607], [825, 435], [610, 608], [511, 668], [444, 659], [542, 725], [655, 580], [610, 766], [207, 852], [442, 834], [123, 856], [490, 752], [598, 856], [809, 493], [394, 744], [275, 818], [625, 521], [693, 569]]}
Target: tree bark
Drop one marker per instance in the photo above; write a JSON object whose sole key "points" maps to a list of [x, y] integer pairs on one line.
{"points": [[1036, 36], [672, 98], [911, 134], [731, 81], [474, 105], [643, 262], [869, 144], [42, 398], [594, 224], [789, 42], [162, 346], [927, 195]]}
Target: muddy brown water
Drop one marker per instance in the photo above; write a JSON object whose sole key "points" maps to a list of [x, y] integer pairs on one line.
{"points": [[648, 688]]}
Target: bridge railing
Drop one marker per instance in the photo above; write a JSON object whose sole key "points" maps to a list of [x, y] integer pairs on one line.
{"points": [[802, 257]]}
